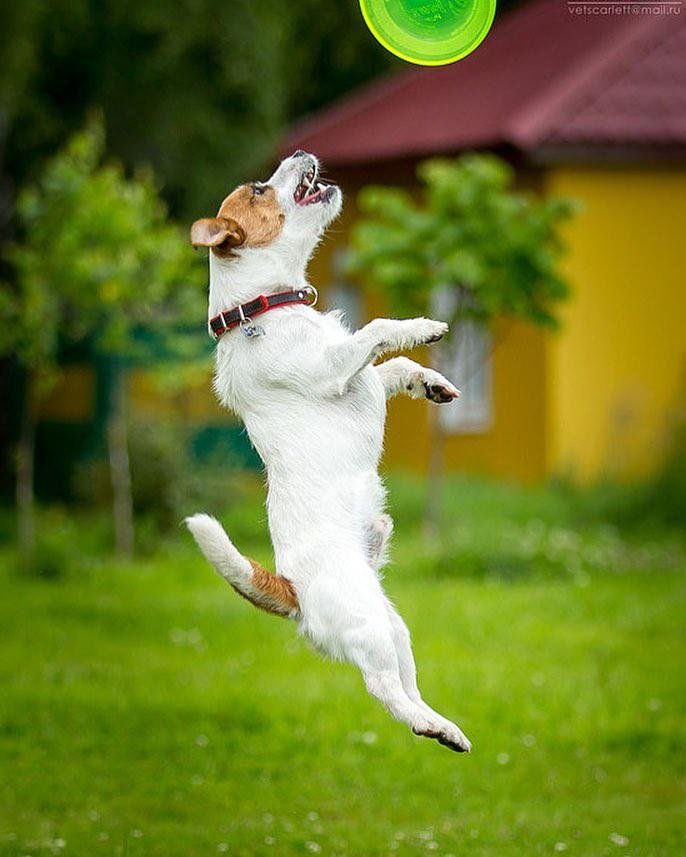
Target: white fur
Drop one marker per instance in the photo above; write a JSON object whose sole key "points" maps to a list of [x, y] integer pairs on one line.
{"points": [[314, 405]]}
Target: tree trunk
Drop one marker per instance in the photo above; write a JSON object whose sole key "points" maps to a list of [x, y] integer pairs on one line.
{"points": [[26, 502], [120, 471], [433, 512]]}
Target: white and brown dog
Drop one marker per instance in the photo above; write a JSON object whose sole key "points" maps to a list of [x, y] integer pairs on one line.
{"points": [[314, 404]]}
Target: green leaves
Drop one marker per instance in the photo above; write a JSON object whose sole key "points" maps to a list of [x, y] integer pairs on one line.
{"points": [[500, 246], [200, 90], [98, 261]]}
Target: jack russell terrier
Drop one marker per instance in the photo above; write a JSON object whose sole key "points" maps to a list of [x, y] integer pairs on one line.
{"points": [[314, 404]]}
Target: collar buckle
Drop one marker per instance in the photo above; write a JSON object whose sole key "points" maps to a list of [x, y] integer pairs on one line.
{"points": [[311, 294]]}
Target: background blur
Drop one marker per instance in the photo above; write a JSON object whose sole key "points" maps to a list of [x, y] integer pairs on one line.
{"points": [[540, 550]]}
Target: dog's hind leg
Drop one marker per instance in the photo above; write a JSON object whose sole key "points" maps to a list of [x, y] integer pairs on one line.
{"points": [[403, 648], [452, 735], [372, 648], [269, 592]]}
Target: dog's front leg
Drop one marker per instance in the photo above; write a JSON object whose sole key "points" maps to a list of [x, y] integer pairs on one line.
{"points": [[346, 359], [403, 376]]}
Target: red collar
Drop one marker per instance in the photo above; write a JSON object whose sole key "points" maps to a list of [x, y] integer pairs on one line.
{"points": [[243, 314]]}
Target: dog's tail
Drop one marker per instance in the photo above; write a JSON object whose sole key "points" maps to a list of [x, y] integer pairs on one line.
{"points": [[269, 592]]}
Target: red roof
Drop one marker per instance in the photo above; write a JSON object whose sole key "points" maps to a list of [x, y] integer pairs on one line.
{"points": [[545, 76]]}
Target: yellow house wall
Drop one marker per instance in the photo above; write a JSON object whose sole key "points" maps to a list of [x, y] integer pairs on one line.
{"points": [[616, 371], [514, 446]]}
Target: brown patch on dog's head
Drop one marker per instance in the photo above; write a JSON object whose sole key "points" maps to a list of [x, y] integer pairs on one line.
{"points": [[251, 216]]}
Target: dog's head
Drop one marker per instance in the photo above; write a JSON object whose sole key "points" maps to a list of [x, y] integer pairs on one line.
{"points": [[293, 207]]}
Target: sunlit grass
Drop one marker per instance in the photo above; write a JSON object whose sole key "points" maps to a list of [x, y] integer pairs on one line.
{"points": [[146, 710]]}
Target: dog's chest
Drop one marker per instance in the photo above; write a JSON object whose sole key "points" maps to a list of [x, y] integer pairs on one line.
{"points": [[279, 387], [333, 431], [364, 405], [285, 413]]}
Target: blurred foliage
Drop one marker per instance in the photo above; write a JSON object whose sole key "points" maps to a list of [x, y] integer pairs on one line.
{"points": [[168, 482], [54, 557], [493, 530], [559, 531], [474, 249], [497, 249], [665, 498], [660, 500], [97, 262], [199, 91]]}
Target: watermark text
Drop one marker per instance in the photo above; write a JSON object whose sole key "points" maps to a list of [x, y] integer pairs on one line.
{"points": [[624, 7]]}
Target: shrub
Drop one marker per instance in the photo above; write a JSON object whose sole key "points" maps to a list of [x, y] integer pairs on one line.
{"points": [[168, 483], [665, 498]]}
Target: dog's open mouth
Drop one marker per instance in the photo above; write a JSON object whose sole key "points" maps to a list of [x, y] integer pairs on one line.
{"points": [[312, 189]]}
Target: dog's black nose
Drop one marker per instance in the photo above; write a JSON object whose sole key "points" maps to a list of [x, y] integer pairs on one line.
{"points": [[299, 153]]}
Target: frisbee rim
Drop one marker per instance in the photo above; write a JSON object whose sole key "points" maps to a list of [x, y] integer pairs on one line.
{"points": [[463, 52]]}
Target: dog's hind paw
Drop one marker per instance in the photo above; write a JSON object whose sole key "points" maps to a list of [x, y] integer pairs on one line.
{"points": [[460, 745], [449, 736]]}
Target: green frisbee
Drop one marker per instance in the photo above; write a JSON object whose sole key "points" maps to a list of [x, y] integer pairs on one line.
{"points": [[429, 32]]}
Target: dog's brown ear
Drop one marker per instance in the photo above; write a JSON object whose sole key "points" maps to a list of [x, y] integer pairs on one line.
{"points": [[217, 232]]}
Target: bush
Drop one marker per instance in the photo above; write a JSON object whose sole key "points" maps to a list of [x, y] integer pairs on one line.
{"points": [[492, 530], [665, 498], [658, 502], [61, 544], [168, 483]]}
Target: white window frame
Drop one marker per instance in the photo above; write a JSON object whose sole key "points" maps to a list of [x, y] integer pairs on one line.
{"points": [[344, 296], [466, 361]]}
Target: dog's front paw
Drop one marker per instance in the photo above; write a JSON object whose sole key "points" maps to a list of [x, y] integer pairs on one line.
{"points": [[426, 330], [436, 388]]}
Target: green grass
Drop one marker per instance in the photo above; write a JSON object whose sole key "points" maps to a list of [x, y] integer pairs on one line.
{"points": [[146, 710]]}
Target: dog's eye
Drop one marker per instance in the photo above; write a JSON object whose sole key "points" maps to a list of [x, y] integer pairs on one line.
{"points": [[258, 189]]}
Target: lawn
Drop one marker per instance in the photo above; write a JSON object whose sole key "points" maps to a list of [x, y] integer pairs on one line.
{"points": [[147, 710]]}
